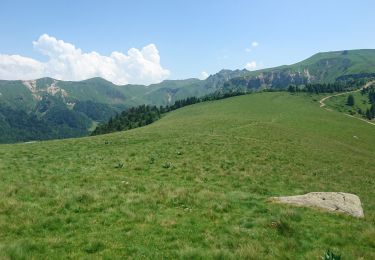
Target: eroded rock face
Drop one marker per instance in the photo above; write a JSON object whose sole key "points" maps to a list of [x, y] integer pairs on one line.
{"points": [[332, 201]]}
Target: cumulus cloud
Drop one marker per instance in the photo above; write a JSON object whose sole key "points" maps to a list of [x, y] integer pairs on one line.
{"points": [[204, 75], [18, 67], [67, 62], [251, 65]]}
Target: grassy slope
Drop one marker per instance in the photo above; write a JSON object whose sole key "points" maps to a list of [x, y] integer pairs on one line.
{"points": [[353, 62], [15, 94], [194, 184], [327, 66], [339, 103]]}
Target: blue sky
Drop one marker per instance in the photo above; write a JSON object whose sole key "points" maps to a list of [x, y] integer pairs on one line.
{"points": [[191, 37]]}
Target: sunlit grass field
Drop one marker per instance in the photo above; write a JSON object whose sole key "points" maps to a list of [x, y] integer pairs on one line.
{"points": [[194, 184], [339, 103]]}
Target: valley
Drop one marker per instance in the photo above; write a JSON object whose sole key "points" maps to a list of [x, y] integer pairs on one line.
{"points": [[187, 130]]}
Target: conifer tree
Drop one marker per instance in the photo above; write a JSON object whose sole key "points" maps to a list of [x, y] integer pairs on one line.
{"points": [[350, 101]]}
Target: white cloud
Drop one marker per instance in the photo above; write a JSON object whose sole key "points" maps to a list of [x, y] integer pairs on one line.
{"points": [[251, 65], [204, 75], [254, 44], [66, 62], [18, 67]]}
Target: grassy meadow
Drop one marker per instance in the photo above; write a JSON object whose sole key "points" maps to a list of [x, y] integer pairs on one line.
{"points": [[339, 103], [194, 185]]}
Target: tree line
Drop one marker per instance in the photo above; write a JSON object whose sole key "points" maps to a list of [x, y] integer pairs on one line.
{"points": [[342, 84], [318, 88], [370, 112], [145, 114]]}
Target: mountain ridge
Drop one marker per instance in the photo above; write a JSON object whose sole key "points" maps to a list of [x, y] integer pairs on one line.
{"points": [[85, 101], [323, 67]]}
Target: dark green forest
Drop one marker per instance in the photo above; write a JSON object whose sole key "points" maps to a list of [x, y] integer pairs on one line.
{"points": [[342, 85], [19, 126], [51, 119]]}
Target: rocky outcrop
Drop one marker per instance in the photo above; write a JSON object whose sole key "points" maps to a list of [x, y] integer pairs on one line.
{"points": [[332, 201]]}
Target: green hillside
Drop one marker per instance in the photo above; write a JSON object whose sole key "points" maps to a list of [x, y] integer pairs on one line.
{"points": [[27, 94], [50, 109], [325, 67], [14, 94], [46, 108], [328, 66], [194, 185]]}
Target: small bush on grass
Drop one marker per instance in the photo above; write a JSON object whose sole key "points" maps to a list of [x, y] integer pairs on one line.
{"points": [[329, 255]]}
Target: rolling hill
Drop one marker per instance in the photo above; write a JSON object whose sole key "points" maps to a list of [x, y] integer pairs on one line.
{"points": [[194, 184], [73, 109]]}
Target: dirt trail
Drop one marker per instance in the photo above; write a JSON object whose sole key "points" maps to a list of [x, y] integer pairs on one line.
{"points": [[322, 104]]}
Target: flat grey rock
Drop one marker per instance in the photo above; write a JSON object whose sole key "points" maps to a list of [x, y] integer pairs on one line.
{"points": [[332, 201]]}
